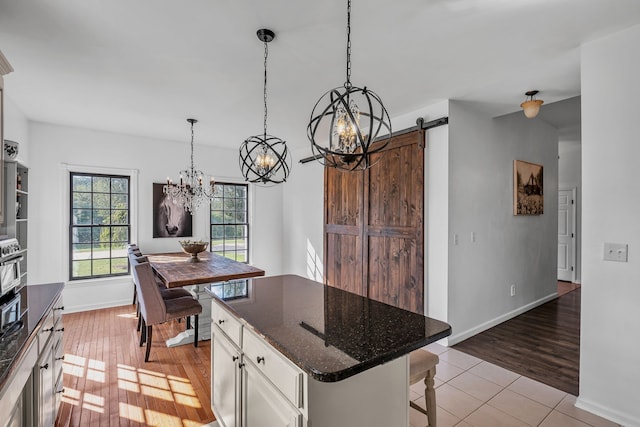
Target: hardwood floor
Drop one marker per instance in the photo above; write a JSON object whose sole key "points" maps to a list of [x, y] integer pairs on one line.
{"points": [[107, 381], [543, 343]]}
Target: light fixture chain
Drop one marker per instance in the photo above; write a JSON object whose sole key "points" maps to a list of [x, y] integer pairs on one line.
{"points": [[192, 167], [266, 54], [348, 82]]}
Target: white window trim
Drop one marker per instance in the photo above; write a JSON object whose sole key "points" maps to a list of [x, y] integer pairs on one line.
{"points": [[251, 200], [65, 173]]}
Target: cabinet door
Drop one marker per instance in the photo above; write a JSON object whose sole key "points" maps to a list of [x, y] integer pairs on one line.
{"points": [[44, 387], [263, 405], [225, 380]]}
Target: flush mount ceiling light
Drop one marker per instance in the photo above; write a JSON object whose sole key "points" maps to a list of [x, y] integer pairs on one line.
{"points": [[264, 159], [531, 106], [346, 122], [192, 192]]}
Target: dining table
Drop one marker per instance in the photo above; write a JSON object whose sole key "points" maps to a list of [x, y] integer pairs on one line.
{"points": [[178, 269]]}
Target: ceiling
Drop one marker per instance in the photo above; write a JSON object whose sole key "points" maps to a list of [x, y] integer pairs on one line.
{"points": [[142, 67]]}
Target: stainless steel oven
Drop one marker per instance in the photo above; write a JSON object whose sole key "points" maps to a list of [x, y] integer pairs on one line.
{"points": [[10, 313], [10, 258]]}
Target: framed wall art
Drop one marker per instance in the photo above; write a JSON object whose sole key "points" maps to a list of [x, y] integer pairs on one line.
{"points": [[528, 188], [169, 219]]}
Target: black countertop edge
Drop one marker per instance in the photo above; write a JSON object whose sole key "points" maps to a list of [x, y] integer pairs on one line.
{"points": [[340, 375], [343, 374], [35, 309]]}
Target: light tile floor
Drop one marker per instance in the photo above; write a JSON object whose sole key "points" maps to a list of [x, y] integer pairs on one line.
{"points": [[473, 393]]}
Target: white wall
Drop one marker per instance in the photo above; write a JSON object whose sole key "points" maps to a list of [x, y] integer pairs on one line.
{"points": [[570, 176], [508, 249], [609, 345], [53, 146], [16, 125]]}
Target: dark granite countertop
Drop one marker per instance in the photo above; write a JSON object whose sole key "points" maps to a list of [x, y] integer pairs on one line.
{"points": [[329, 333], [37, 300]]}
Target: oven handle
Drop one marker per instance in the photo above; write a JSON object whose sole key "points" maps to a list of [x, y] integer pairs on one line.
{"points": [[12, 261]]}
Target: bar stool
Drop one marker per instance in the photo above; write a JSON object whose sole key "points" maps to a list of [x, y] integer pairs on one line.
{"points": [[422, 364]]}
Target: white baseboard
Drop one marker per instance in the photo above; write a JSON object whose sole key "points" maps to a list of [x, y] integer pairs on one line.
{"points": [[97, 294], [97, 306], [459, 337], [626, 420]]}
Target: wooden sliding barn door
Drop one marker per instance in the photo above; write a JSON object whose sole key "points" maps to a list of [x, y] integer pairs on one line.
{"points": [[374, 229]]}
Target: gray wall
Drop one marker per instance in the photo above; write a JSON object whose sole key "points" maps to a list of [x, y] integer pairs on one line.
{"points": [[508, 249]]}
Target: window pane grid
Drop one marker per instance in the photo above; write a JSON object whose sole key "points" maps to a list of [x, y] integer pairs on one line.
{"points": [[99, 226], [229, 221]]}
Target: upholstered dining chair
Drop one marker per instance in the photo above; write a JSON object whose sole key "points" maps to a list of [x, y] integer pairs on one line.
{"points": [[155, 310], [422, 364], [164, 291]]}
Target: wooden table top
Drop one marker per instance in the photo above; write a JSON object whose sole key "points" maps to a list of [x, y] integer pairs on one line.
{"points": [[175, 270]]}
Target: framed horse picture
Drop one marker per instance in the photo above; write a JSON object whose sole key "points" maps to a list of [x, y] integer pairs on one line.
{"points": [[169, 219]]}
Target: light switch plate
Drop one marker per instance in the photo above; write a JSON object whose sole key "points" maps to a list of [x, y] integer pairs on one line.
{"points": [[616, 252]]}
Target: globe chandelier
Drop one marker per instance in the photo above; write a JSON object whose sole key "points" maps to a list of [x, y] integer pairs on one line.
{"points": [[264, 158], [192, 192], [348, 124]]}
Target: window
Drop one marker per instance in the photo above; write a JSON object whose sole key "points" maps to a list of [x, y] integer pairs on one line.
{"points": [[233, 289], [99, 225], [229, 221]]}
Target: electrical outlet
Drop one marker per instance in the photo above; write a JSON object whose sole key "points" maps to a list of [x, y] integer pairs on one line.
{"points": [[455, 239], [473, 237], [513, 290]]}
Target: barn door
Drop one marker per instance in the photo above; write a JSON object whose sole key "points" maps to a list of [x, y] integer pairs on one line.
{"points": [[384, 209]]}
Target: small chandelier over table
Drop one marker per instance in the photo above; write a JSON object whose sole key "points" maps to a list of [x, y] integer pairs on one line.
{"points": [[346, 122], [192, 191], [264, 158]]}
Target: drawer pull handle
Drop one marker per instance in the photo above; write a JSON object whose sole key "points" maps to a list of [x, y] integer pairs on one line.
{"points": [[48, 330], [45, 366], [60, 358], [234, 358], [240, 365], [59, 308], [220, 322], [60, 330], [260, 359], [61, 390]]}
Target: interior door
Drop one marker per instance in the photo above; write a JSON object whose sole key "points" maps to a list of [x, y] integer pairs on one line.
{"points": [[374, 225], [566, 235]]}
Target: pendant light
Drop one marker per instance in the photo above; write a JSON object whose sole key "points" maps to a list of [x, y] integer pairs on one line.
{"points": [[264, 159], [193, 191], [347, 121], [531, 106]]}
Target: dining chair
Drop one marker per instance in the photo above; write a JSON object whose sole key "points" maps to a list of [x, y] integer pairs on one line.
{"points": [[155, 310], [422, 364], [165, 292]]}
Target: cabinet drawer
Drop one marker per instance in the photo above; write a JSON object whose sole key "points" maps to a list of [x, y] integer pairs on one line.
{"points": [[58, 307], [281, 372], [45, 332], [226, 322]]}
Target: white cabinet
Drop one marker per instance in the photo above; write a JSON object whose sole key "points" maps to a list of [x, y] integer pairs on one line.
{"points": [[225, 364], [44, 375], [263, 404], [48, 370], [251, 385]]}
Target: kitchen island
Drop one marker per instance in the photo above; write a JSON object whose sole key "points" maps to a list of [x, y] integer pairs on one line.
{"points": [[297, 353]]}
